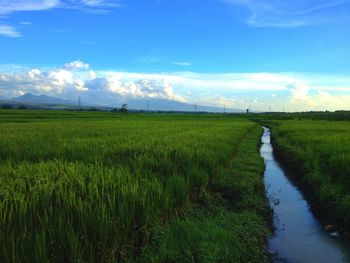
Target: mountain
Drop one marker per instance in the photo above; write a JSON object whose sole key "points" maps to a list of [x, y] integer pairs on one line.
{"points": [[169, 105], [42, 99]]}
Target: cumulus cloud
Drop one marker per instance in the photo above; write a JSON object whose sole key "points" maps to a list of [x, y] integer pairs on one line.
{"points": [[52, 82], [75, 77], [298, 91], [291, 13], [124, 87], [92, 74], [301, 98]]}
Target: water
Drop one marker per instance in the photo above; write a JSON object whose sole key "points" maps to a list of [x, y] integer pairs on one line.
{"points": [[299, 236]]}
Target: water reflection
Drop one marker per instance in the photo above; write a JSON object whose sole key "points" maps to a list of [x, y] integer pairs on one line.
{"points": [[299, 237]]}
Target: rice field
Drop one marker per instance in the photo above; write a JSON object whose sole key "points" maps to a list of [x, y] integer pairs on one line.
{"points": [[111, 187]]}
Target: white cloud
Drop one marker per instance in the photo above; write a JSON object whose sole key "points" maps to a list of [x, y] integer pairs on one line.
{"points": [[298, 91], [51, 82], [227, 102], [321, 100], [92, 2], [92, 75], [183, 63], [234, 90], [26, 23], [9, 31], [76, 65], [60, 77], [91, 6], [124, 87], [9, 6], [75, 77], [34, 74], [302, 98], [101, 3], [291, 13]]}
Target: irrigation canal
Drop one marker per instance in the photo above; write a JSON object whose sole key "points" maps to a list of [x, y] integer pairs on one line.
{"points": [[299, 236]]}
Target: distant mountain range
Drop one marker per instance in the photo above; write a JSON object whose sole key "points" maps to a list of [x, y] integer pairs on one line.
{"points": [[133, 104], [42, 99]]}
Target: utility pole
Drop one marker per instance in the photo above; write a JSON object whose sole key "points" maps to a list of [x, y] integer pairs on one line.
{"points": [[147, 105], [224, 108], [79, 103], [195, 107]]}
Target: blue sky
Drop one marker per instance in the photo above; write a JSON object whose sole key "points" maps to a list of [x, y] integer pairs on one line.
{"points": [[238, 53]]}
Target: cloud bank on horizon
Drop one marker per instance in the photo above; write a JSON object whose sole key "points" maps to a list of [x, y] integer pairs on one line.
{"points": [[258, 91]]}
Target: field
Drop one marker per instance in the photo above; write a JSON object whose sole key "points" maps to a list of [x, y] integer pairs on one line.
{"points": [[112, 187], [318, 154]]}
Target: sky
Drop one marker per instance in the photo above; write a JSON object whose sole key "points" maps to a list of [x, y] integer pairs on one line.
{"points": [[291, 55]]}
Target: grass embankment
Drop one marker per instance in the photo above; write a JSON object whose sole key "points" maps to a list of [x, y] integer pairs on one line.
{"points": [[103, 187], [318, 154]]}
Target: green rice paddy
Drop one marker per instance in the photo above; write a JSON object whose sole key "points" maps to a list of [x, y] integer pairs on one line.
{"points": [[110, 187]]}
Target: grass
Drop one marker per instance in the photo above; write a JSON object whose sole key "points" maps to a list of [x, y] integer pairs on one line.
{"points": [[317, 153], [108, 187]]}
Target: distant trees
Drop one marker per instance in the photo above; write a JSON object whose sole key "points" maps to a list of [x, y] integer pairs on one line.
{"points": [[10, 107], [123, 109], [7, 107], [94, 109]]}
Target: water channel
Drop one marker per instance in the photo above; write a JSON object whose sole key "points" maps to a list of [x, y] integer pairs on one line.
{"points": [[299, 236]]}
